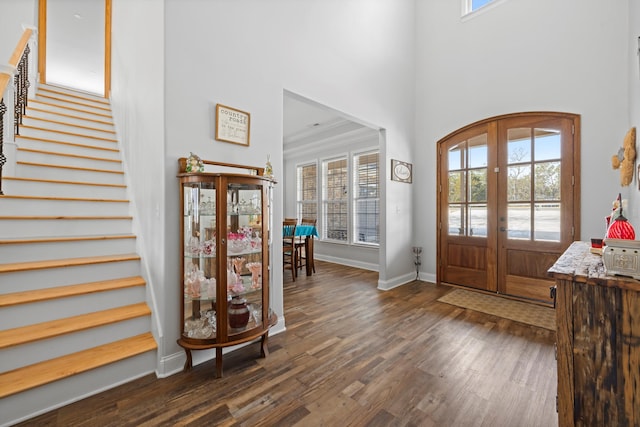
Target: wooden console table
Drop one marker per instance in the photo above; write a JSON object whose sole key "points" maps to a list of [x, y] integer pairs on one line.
{"points": [[598, 340]]}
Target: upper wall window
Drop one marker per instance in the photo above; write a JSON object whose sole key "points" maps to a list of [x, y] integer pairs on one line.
{"points": [[473, 5]]}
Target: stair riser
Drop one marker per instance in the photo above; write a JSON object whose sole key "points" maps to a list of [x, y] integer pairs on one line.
{"points": [[107, 142], [71, 111], [86, 106], [36, 111], [28, 314], [37, 188], [47, 88], [62, 160], [25, 252], [16, 228], [107, 152], [45, 172], [61, 125], [27, 354], [85, 100], [27, 404], [61, 207], [51, 277]]}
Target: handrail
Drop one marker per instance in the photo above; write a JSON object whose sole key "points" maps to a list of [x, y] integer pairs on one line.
{"points": [[18, 61], [15, 58]]}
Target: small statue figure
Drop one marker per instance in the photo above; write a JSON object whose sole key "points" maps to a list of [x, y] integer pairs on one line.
{"points": [[268, 169], [194, 163]]}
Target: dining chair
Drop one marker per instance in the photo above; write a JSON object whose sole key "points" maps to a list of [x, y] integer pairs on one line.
{"points": [[300, 245], [289, 258]]}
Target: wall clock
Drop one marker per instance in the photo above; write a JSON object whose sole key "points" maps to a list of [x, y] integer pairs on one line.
{"points": [[401, 171]]}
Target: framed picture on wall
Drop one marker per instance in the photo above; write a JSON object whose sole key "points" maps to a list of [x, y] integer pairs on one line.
{"points": [[232, 125], [401, 171]]}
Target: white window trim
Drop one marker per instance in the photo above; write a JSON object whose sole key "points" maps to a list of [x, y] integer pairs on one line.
{"points": [[323, 198], [318, 165], [353, 198]]}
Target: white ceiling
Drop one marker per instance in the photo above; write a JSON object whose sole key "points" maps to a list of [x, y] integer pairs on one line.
{"points": [[75, 58]]}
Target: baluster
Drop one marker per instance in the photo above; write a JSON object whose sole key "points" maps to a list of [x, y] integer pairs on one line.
{"points": [[21, 81], [3, 159]]}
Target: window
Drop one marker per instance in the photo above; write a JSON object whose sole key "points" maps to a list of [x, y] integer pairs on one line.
{"points": [[307, 191], [366, 198], [335, 199], [473, 5]]}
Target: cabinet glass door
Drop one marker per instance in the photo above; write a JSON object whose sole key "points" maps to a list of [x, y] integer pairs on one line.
{"points": [[200, 276], [244, 257]]}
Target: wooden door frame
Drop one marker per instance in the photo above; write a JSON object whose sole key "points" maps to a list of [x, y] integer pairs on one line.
{"points": [[574, 118], [42, 44]]}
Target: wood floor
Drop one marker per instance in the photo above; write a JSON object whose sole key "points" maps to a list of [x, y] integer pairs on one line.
{"points": [[353, 356]]}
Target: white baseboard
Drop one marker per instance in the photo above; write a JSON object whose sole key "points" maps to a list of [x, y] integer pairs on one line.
{"points": [[348, 262]]}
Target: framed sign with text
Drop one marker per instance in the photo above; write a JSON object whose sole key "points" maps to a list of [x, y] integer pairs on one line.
{"points": [[232, 125]]}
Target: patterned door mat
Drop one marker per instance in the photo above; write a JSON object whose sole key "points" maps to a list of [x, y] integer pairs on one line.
{"points": [[531, 314]]}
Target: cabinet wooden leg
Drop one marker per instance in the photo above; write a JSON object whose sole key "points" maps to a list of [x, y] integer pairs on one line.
{"points": [[264, 349], [218, 362], [189, 362]]}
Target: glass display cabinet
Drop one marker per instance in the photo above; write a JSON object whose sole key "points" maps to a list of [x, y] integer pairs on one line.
{"points": [[225, 229]]}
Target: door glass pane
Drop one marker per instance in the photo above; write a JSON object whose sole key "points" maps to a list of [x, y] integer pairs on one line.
{"points": [[455, 220], [519, 145], [478, 220], [519, 221], [547, 181], [478, 151], [456, 157], [519, 183], [547, 222], [478, 185], [547, 144], [457, 187]]}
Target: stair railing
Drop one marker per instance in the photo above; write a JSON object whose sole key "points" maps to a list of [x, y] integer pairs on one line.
{"points": [[14, 98]]}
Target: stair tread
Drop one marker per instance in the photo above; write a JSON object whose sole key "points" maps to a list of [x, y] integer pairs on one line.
{"points": [[70, 167], [65, 107], [57, 122], [42, 110], [65, 262], [26, 297], [64, 217], [72, 144], [66, 199], [58, 181], [54, 328], [73, 94], [38, 374], [19, 240], [36, 128], [81, 104], [75, 156]]}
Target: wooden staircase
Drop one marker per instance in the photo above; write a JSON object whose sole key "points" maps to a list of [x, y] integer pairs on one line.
{"points": [[73, 313]]}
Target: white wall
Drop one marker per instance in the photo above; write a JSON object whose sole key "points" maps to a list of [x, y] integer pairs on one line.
{"points": [[634, 104], [355, 55], [138, 106], [14, 14], [524, 55]]}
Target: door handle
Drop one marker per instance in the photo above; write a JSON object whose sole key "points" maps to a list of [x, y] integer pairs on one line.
{"points": [[502, 229]]}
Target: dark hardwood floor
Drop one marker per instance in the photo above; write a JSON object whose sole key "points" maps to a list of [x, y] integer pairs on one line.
{"points": [[353, 356]]}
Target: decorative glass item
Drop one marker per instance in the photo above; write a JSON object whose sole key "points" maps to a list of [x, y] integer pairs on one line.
{"points": [[238, 313], [619, 227], [268, 169]]}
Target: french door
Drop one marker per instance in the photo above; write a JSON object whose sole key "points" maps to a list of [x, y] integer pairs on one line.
{"points": [[508, 200]]}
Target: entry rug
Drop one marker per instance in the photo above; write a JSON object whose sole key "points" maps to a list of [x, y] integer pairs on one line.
{"points": [[531, 314]]}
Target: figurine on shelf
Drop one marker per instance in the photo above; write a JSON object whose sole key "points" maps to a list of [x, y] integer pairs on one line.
{"points": [[256, 274], [617, 225], [194, 163], [268, 169]]}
